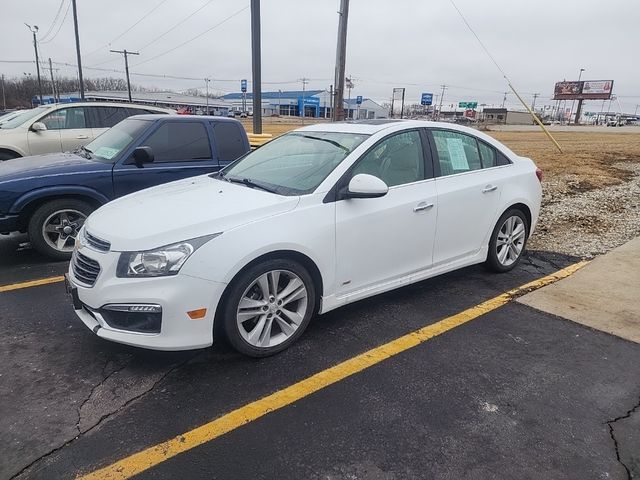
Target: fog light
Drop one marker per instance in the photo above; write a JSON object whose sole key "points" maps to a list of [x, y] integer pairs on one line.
{"points": [[140, 318]]}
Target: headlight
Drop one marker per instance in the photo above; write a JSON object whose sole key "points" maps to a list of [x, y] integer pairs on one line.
{"points": [[160, 262]]}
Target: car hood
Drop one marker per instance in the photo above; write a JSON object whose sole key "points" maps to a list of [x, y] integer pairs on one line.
{"points": [[44, 165], [182, 210]]}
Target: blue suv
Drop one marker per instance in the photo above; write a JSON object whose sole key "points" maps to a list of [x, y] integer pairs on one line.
{"points": [[50, 196]]}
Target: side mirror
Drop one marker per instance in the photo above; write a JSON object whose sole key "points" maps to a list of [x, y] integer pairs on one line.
{"points": [[142, 155], [364, 185], [38, 127]]}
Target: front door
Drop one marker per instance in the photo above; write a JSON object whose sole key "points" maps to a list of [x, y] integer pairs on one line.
{"points": [[180, 149], [380, 240]]}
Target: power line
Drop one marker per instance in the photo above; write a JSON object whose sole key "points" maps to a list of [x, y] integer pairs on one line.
{"points": [[55, 19], [176, 25], [127, 30], [196, 37], [66, 13]]}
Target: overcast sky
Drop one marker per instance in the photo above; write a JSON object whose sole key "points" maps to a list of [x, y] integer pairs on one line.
{"points": [[416, 44]]}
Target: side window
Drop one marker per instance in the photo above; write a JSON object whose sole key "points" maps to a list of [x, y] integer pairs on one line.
{"points": [[457, 152], [107, 117], [488, 155], [65, 118], [180, 142], [228, 140], [396, 160]]}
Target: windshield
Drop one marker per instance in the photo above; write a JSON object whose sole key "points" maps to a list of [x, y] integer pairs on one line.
{"points": [[108, 146], [22, 117], [295, 163]]}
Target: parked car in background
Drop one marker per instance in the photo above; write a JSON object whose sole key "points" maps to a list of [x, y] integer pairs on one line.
{"points": [[49, 196], [315, 219], [63, 127]]}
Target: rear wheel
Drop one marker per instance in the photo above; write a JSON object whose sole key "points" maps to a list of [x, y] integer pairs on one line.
{"points": [[53, 227], [508, 241], [268, 307]]}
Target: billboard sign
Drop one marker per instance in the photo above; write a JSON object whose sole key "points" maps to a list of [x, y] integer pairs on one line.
{"points": [[596, 90], [426, 99], [243, 85], [587, 90]]}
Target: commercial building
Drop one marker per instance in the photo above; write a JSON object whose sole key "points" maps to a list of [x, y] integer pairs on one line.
{"points": [[505, 117], [317, 104]]}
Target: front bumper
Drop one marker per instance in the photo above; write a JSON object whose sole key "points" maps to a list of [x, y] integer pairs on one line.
{"points": [[177, 295], [8, 223]]}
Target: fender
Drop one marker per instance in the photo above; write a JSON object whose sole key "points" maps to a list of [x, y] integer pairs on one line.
{"points": [[56, 191], [14, 149]]}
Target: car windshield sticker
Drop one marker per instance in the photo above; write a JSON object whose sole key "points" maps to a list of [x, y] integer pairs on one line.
{"points": [[107, 152], [457, 154]]}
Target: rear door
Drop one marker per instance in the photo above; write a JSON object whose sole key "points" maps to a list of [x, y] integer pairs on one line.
{"points": [[468, 194], [181, 149], [229, 141]]}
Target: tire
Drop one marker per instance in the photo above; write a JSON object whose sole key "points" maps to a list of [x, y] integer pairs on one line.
{"points": [[51, 216], [8, 155], [247, 332], [510, 236]]}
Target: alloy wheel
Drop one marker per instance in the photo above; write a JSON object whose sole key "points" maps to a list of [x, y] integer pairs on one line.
{"points": [[60, 229], [272, 308], [510, 241]]}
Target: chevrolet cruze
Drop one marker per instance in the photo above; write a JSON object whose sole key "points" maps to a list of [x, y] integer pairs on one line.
{"points": [[313, 220]]}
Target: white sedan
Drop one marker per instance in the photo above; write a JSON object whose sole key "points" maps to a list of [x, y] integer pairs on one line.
{"points": [[313, 220]]}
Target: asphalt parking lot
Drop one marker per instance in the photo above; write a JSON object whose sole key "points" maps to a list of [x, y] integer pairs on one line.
{"points": [[515, 393]]}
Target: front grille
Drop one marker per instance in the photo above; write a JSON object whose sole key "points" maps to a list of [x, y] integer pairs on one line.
{"points": [[85, 269], [97, 243]]}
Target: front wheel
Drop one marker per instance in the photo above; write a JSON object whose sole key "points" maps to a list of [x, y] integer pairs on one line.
{"points": [[268, 307], [53, 227], [508, 241]]}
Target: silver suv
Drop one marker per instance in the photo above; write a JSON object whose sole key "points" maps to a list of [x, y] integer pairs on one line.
{"points": [[63, 127]]}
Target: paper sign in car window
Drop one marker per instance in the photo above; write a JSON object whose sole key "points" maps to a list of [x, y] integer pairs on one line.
{"points": [[457, 155], [106, 152]]}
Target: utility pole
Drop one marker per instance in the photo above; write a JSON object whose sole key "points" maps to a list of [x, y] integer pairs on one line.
{"points": [[279, 100], [444, 87], [504, 100], [341, 59], [206, 81], [53, 83], [34, 30], [304, 84], [75, 26], [256, 64], [573, 102], [4, 98], [126, 54], [330, 102], [635, 113], [533, 104], [349, 83]]}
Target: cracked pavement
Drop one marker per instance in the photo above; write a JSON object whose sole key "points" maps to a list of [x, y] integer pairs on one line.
{"points": [[518, 394]]}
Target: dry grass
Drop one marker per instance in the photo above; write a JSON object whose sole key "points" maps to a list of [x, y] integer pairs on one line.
{"points": [[586, 164]]}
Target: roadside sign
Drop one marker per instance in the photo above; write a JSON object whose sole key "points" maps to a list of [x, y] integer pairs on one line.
{"points": [[359, 100], [243, 85], [426, 99], [470, 105]]}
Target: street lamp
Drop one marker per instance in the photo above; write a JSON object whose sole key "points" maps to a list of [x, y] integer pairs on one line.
{"points": [[573, 102], [34, 30]]}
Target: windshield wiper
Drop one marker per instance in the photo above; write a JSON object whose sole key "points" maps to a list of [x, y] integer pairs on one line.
{"points": [[332, 142], [249, 183]]}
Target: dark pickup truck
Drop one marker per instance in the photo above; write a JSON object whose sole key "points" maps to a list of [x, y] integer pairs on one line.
{"points": [[50, 196]]}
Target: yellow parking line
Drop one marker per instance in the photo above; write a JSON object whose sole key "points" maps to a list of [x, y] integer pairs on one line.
{"points": [[152, 456], [31, 283]]}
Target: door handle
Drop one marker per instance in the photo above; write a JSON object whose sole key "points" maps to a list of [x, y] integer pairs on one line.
{"points": [[422, 206], [489, 188], [82, 137]]}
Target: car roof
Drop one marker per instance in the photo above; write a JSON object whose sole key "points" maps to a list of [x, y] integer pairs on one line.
{"points": [[106, 104], [371, 127], [173, 118]]}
